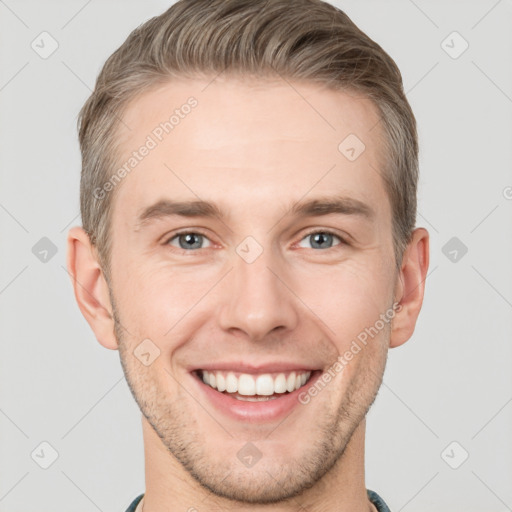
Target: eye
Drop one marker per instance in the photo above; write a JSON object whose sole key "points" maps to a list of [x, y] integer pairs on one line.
{"points": [[321, 239], [188, 240]]}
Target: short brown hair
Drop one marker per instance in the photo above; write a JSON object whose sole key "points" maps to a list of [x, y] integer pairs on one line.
{"points": [[306, 40]]}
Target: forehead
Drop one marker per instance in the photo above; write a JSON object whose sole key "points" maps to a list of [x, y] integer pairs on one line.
{"points": [[229, 138]]}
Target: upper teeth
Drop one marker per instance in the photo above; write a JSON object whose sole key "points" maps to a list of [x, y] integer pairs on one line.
{"points": [[247, 384]]}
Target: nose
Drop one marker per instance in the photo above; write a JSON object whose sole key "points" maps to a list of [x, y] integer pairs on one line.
{"points": [[256, 299]]}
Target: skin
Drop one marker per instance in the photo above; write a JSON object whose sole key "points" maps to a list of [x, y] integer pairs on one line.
{"points": [[255, 149]]}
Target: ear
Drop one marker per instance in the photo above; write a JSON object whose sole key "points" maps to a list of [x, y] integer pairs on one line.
{"points": [[410, 287], [90, 286]]}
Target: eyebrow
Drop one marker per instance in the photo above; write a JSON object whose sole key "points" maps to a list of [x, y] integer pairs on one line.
{"points": [[312, 208], [329, 205]]}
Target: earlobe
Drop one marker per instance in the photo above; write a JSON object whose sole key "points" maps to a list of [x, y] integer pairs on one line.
{"points": [[90, 286], [410, 287]]}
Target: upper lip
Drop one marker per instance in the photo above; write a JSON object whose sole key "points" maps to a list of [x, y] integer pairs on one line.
{"points": [[269, 367]]}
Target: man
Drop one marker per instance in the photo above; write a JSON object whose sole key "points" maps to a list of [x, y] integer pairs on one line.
{"points": [[248, 199]]}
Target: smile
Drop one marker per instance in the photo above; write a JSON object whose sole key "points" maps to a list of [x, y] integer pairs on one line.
{"points": [[245, 386], [268, 393]]}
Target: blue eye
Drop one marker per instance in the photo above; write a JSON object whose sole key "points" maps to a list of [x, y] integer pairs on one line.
{"points": [[321, 239], [189, 240]]}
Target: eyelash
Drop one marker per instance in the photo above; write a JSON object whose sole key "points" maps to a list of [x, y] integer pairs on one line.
{"points": [[312, 232]]}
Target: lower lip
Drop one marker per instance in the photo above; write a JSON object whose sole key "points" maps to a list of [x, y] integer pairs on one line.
{"points": [[255, 412]]}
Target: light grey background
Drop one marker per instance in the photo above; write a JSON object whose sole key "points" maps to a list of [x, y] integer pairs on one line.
{"points": [[450, 383]]}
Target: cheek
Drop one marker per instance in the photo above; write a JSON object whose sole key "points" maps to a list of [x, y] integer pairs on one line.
{"points": [[348, 297], [154, 300]]}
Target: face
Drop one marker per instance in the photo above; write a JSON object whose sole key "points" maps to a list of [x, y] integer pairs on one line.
{"points": [[250, 250]]}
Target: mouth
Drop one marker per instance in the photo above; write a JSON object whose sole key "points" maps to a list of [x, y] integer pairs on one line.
{"points": [[254, 388], [254, 397]]}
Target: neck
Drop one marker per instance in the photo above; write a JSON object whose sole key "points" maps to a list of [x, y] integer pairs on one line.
{"points": [[169, 486]]}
